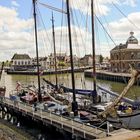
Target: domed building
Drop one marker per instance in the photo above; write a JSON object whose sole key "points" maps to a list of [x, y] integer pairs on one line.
{"points": [[124, 54]]}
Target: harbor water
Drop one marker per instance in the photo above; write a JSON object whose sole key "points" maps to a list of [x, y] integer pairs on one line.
{"points": [[10, 82]]}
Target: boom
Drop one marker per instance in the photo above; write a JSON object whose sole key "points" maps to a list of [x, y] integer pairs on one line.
{"points": [[111, 108]]}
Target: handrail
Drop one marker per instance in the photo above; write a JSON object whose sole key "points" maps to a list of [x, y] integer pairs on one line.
{"points": [[41, 111]]}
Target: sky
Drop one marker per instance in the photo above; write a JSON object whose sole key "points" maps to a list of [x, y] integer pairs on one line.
{"points": [[112, 27]]}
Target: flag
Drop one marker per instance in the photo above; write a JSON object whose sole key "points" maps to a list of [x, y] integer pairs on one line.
{"points": [[18, 86], [41, 72]]}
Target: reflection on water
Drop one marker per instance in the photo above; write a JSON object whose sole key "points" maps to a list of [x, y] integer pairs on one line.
{"points": [[80, 82]]}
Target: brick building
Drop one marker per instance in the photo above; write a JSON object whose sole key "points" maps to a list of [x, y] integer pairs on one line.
{"points": [[124, 54]]}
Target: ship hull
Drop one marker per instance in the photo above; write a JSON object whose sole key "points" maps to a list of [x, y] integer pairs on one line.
{"points": [[129, 121]]}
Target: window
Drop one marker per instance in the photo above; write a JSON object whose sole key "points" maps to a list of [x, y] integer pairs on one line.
{"points": [[132, 55], [123, 56], [123, 65], [117, 57], [138, 55], [138, 65], [112, 56]]}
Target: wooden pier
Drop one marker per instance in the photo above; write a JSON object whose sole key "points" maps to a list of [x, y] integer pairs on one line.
{"points": [[48, 118]]}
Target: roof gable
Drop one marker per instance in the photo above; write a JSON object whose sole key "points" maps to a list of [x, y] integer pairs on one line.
{"points": [[121, 46], [21, 56]]}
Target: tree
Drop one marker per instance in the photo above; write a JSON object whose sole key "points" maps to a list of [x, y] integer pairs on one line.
{"points": [[101, 59]]}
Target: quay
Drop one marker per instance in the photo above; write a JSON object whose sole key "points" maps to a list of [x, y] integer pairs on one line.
{"points": [[124, 134], [29, 72], [66, 124], [110, 76]]}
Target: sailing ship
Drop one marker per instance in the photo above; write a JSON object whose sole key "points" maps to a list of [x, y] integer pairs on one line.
{"points": [[96, 93], [27, 94], [31, 94], [128, 116], [128, 119]]}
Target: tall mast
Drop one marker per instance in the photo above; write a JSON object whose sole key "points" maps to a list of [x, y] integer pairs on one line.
{"points": [[2, 66], [36, 41], [53, 33], [74, 103], [93, 52]]}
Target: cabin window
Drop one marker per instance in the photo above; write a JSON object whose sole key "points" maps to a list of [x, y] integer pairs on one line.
{"points": [[28, 62], [15, 62], [22, 62], [25, 63], [18, 63]]}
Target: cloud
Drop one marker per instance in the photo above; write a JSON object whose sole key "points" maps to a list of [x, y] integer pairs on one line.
{"points": [[120, 29], [85, 5], [130, 2], [81, 40], [14, 3], [101, 6], [16, 35]]}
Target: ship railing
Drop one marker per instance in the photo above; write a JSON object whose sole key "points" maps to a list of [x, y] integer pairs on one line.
{"points": [[63, 120]]}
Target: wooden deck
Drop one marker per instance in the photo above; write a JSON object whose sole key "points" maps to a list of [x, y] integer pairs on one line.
{"points": [[61, 122]]}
